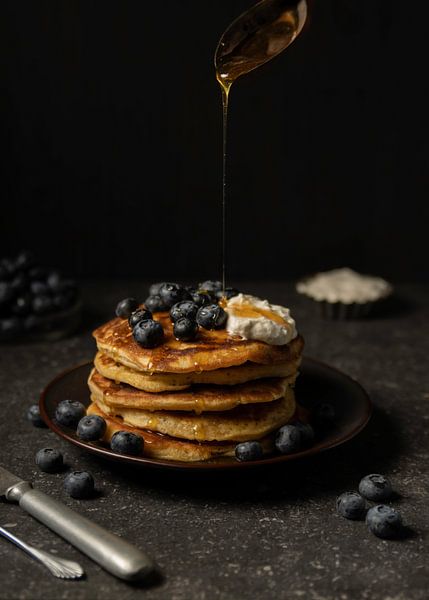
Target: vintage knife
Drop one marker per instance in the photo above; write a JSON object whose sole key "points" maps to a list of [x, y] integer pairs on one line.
{"points": [[110, 551]]}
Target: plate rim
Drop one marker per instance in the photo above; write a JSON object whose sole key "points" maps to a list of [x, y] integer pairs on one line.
{"points": [[219, 465]]}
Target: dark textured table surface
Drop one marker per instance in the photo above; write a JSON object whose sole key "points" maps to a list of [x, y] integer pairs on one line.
{"points": [[267, 534]]}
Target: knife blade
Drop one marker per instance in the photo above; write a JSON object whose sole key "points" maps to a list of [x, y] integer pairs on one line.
{"points": [[110, 551]]}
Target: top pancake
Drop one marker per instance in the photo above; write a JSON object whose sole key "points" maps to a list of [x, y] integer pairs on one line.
{"points": [[210, 350]]}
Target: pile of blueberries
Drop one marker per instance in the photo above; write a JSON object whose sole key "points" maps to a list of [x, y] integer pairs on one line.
{"points": [[189, 308], [382, 520], [29, 293]]}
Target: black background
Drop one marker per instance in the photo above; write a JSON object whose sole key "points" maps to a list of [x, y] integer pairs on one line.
{"points": [[111, 141]]}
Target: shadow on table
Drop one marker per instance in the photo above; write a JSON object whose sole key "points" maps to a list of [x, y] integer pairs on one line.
{"points": [[376, 449]]}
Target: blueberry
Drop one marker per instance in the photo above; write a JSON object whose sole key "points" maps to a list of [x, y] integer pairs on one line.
{"points": [[10, 325], [351, 505], [79, 484], [22, 305], [171, 293], [41, 304], [8, 268], [54, 281], [202, 298], [61, 301], [155, 303], [227, 293], [38, 273], [91, 428], [324, 414], [25, 260], [185, 329], [384, 521], [126, 307], [307, 432], [148, 333], [33, 415], [49, 460], [248, 451], [38, 288], [211, 317], [211, 286], [155, 287], [6, 292], [69, 412], [125, 442], [141, 314], [288, 439], [19, 283], [375, 487], [186, 309]]}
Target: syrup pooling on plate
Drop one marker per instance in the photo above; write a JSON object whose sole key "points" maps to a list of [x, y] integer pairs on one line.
{"points": [[253, 39]]}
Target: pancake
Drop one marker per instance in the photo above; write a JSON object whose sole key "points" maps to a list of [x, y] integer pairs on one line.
{"points": [[210, 350], [198, 399], [248, 422], [164, 447], [164, 382]]}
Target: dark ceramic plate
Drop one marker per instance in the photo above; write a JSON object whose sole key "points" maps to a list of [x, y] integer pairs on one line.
{"points": [[317, 383]]}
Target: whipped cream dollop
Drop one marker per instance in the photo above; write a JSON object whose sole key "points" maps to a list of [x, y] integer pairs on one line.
{"points": [[344, 285], [255, 319]]}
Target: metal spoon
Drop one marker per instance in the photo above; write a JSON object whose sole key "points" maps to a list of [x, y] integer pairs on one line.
{"points": [[60, 567], [257, 36]]}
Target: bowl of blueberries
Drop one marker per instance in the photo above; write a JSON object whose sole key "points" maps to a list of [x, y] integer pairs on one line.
{"points": [[36, 301]]}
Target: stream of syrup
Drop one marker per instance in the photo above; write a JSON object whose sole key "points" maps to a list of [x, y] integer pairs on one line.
{"points": [[253, 39]]}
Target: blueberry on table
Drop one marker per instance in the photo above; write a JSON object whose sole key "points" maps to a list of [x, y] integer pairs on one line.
{"points": [[33, 415], [148, 333], [79, 484], [125, 442], [155, 287], [288, 439], [126, 307], [212, 317], [187, 309], [351, 505], [69, 412], [375, 487], [171, 293], [54, 281], [155, 303], [211, 286], [384, 521], [202, 298], [91, 428], [185, 329], [49, 460], [141, 314], [247, 451]]}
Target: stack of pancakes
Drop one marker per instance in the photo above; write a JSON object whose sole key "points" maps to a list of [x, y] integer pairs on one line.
{"points": [[193, 401]]}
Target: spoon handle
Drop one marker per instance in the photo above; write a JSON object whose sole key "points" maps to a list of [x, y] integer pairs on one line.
{"points": [[59, 567]]}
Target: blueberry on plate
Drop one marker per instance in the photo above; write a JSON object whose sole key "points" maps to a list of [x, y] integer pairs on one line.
{"points": [[211, 286], [384, 521], [155, 303], [171, 293], [148, 333], [41, 304], [351, 505], [69, 412], [91, 428], [33, 415], [375, 487], [227, 293], [125, 307], [79, 484], [211, 317], [247, 451], [187, 309], [125, 442], [288, 439], [202, 298], [185, 329], [307, 432], [49, 460], [141, 314]]}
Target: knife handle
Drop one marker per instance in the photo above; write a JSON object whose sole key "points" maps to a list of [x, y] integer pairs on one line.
{"points": [[113, 553]]}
